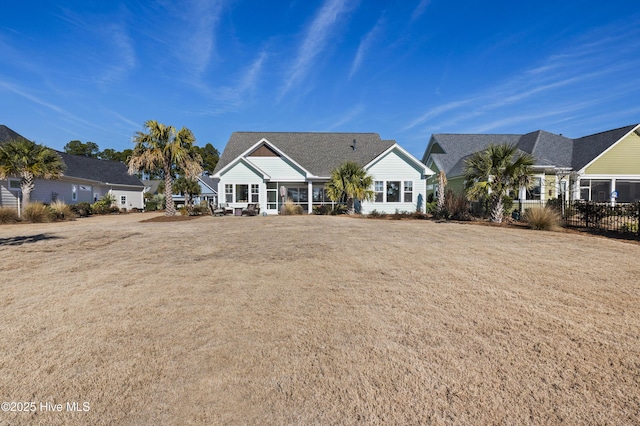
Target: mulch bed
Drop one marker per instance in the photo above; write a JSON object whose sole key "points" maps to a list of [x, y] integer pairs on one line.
{"points": [[170, 218]]}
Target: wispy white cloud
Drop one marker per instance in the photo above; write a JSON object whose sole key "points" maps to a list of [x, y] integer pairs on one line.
{"points": [[232, 98], [199, 42], [570, 82], [124, 55], [365, 44], [347, 117], [420, 9], [315, 41]]}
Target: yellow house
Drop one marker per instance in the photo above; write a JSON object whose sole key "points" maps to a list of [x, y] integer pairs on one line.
{"points": [[602, 167]]}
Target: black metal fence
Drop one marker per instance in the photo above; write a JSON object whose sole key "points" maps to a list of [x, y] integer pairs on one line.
{"points": [[604, 217], [621, 218]]}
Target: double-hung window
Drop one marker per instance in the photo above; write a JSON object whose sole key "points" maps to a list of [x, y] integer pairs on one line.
{"points": [[379, 190], [408, 191], [228, 193], [255, 193]]}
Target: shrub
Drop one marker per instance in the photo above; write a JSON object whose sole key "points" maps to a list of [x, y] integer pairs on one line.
{"points": [[322, 209], [543, 218], [376, 214], [339, 209], [8, 215], [183, 211], [104, 206], [38, 213], [456, 206], [82, 209], [62, 211], [431, 207], [289, 208]]}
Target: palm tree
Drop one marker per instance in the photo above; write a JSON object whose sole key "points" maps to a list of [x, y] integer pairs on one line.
{"points": [[188, 188], [27, 159], [352, 182], [494, 171], [162, 148]]}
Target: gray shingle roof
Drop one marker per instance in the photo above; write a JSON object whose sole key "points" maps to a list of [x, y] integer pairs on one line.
{"points": [[548, 149], [6, 134], [319, 153], [112, 172], [587, 148]]}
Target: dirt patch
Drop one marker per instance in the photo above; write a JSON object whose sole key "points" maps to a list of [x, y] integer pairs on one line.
{"points": [[317, 320], [177, 218]]}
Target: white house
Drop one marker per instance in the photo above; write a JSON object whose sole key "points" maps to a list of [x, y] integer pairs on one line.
{"points": [[270, 167], [85, 179]]}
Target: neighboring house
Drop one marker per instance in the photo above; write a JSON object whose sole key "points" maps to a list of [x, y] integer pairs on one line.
{"points": [[270, 167], [600, 167], [85, 180], [208, 192]]}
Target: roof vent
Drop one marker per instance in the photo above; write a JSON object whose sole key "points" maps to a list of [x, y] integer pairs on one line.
{"points": [[354, 145]]}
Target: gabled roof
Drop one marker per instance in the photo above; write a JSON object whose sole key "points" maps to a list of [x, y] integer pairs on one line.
{"points": [[77, 166], [449, 151], [587, 148], [210, 182], [318, 153]]}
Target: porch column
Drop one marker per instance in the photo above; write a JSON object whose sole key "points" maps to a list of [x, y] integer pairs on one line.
{"points": [[310, 197]]}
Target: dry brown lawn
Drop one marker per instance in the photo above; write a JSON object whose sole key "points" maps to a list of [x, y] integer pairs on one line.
{"points": [[317, 320]]}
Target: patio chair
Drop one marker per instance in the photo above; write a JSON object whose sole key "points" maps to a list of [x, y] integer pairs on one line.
{"points": [[221, 210], [250, 210]]}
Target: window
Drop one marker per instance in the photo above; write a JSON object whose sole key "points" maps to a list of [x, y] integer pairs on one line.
{"points": [[228, 193], [393, 192], [595, 190], [378, 188], [242, 193], [123, 200], [272, 196], [408, 191], [628, 191], [255, 193], [14, 184], [534, 192]]}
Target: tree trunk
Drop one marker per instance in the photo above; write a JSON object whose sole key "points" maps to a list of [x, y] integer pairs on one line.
{"points": [[351, 209], [26, 186], [497, 209], [170, 208]]}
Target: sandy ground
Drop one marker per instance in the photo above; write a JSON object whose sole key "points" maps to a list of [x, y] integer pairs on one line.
{"points": [[315, 320]]}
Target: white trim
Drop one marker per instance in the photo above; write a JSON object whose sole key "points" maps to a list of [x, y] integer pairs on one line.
{"points": [[253, 148], [247, 162], [582, 170], [427, 171]]}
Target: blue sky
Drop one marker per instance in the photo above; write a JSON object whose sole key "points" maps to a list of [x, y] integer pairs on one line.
{"points": [[96, 71]]}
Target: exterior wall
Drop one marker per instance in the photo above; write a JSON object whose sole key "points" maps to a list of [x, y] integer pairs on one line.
{"points": [[8, 198], [622, 159], [550, 188], [394, 167], [134, 199], [48, 191], [240, 173], [279, 169]]}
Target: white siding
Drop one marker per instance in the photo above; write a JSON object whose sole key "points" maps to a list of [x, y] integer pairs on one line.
{"points": [[395, 167], [278, 168], [134, 199], [7, 197], [240, 173]]}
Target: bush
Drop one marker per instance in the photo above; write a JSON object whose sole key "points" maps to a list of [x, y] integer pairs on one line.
{"points": [[38, 213], [104, 206], [339, 209], [456, 207], [82, 209], [8, 215], [542, 218], [322, 209], [62, 211], [431, 207], [289, 208], [376, 214]]}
